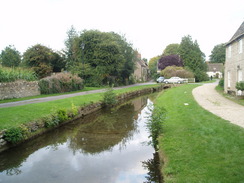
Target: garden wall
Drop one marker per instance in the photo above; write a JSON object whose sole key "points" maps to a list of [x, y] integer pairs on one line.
{"points": [[18, 89]]}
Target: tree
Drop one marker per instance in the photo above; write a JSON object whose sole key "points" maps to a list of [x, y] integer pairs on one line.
{"points": [[171, 49], [107, 56], [170, 60], [10, 57], [218, 54], [153, 66], [193, 57], [43, 60]]}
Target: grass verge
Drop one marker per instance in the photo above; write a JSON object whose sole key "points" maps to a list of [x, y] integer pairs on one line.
{"points": [[198, 146], [49, 95], [14, 116]]}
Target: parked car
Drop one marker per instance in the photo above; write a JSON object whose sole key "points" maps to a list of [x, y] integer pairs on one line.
{"points": [[160, 79], [174, 80]]}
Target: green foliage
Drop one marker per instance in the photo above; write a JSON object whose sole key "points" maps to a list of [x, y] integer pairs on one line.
{"points": [[12, 74], [153, 67], [10, 57], [109, 98], [172, 71], [106, 55], [240, 85], [191, 54], [51, 121], [43, 60], [60, 83], [171, 49], [218, 54], [200, 76], [74, 110], [62, 115], [15, 134], [155, 124], [221, 82]]}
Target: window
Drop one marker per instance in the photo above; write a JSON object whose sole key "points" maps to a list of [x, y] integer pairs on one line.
{"points": [[229, 51], [240, 46], [228, 79]]}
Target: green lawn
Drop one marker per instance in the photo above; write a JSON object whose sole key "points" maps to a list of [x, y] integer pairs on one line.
{"points": [[13, 116], [198, 146], [49, 95]]}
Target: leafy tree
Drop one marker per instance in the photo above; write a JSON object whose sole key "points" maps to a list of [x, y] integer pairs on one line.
{"points": [[43, 60], [10, 57], [193, 57], [171, 49], [170, 60], [107, 55], [153, 66], [218, 54]]}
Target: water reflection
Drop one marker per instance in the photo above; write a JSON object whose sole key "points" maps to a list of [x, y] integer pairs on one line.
{"points": [[104, 147]]}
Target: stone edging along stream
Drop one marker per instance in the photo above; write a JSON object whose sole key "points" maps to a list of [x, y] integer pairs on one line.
{"points": [[38, 127]]}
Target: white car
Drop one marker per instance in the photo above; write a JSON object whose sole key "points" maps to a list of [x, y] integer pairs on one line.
{"points": [[160, 79], [174, 80]]}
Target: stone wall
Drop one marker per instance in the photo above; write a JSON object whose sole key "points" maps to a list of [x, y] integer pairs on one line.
{"points": [[18, 89]]}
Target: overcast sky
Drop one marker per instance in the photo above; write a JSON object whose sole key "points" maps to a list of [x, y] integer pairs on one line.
{"points": [[150, 25]]}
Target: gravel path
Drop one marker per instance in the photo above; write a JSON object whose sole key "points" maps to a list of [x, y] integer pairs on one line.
{"points": [[46, 99], [211, 100]]}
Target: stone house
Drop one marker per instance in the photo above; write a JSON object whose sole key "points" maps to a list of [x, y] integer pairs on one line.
{"points": [[141, 69], [215, 70], [234, 63]]}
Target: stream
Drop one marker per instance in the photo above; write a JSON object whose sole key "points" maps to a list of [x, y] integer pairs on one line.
{"points": [[108, 146]]}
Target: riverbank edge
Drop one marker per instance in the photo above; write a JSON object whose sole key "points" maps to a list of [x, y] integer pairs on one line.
{"points": [[37, 127]]}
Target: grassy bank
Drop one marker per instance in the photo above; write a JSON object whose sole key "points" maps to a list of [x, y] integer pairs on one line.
{"points": [[13, 116], [198, 146]]}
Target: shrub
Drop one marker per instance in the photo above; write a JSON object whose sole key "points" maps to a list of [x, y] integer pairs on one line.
{"points": [[172, 71], [201, 76], [15, 134], [221, 83], [240, 85], [51, 121], [62, 115], [12, 74], [109, 97], [155, 124], [59, 83]]}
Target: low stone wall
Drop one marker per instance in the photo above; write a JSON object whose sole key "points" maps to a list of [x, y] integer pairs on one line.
{"points": [[36, 128], [18, 89]]}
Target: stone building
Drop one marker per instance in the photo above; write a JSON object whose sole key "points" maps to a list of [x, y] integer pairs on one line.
{"points": [[141, 69], [234, 63], [215, 70]]}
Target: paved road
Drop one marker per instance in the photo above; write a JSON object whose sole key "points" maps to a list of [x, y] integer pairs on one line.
{"points": [[46, 99], [211, 100]]}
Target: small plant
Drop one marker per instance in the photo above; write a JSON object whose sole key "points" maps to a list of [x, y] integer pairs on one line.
{"points": [[221, 83], [240, 85], [51, 121], [155, 124], [62, 115], [15, 134], [74, 110], [109, 97]]}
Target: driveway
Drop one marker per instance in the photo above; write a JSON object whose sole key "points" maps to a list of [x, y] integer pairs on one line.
{"points": [[46, 99], [211, 100]]}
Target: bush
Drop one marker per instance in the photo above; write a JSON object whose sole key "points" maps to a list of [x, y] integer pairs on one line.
{"points": [[12, 74], [59, 83], [201, 76], [172, 71], [109, 98], [240, 85], [51, 121], [15, 134], [221, 83], [62, 115]]}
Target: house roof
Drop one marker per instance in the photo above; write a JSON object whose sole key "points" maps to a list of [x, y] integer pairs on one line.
{"points": [[238, 34], [215, 67]]}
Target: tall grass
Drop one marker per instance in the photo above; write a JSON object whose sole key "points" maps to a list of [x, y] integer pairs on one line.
{"points": [[12, 74]]}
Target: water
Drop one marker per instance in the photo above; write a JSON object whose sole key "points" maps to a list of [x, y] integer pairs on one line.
{"points": [[107, 146]]}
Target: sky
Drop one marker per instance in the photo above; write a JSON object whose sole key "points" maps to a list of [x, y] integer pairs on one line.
{"points": [[149, 25]]}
